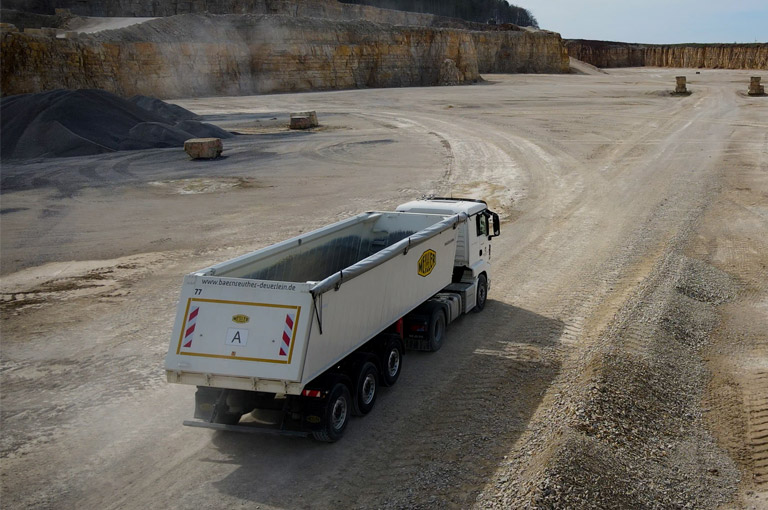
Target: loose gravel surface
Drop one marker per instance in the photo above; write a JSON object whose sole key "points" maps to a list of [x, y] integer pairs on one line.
{"points": [[620, 361]]}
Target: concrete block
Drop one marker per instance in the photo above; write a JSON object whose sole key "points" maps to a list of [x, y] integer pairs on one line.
{"points": [[300, 122], [304, 120], [680, 87], [755, 89], [203, 148]]}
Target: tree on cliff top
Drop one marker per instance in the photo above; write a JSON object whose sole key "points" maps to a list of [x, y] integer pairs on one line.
{"points": [[481, 11]]}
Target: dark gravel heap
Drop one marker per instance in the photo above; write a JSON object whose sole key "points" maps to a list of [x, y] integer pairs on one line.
{"points": [[64, 123], [169, 111]]}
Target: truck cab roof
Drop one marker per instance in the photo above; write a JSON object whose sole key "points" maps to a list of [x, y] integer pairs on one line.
{"points": [[444, 206]]}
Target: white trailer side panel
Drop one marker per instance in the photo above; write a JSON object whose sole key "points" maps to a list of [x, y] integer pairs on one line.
{"points": [[363, 307]]}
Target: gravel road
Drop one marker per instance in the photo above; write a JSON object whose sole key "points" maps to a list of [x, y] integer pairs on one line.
{"points": [[620, 361]]}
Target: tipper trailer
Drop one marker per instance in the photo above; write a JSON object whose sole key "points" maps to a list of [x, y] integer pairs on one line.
{"points": [[303, 333]]}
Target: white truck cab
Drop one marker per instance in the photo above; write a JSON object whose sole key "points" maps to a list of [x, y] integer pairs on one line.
{"points": [[473, 243]]}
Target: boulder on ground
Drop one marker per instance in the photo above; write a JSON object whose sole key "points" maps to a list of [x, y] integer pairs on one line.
{"points": [[755, 89], [680, 85], [203, 148], [304, 120]]}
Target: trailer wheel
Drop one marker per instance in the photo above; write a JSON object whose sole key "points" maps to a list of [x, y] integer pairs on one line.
{"points": [[367, 388], [392, 363], [436, 329], [335, 415], [482, 293]]}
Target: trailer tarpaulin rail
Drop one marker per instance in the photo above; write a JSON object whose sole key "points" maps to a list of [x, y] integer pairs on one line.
{"points": [[337, 279]]}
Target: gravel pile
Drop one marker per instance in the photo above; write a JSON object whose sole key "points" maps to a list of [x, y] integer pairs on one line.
{"points": [[169, 111], [64, 123], [628, 432]]}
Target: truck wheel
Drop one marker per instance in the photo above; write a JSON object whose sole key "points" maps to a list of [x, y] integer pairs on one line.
{"points": [[335, 415], [436, 330], [392, 363], [366, 389], [482, 293]]}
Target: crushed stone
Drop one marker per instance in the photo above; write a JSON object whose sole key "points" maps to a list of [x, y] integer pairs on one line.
{"points": [[66, 123]]}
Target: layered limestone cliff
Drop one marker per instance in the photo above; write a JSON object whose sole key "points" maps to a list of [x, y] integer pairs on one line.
{"points": [[709, 56], [325, 9], [520, 51], [198, 55]]}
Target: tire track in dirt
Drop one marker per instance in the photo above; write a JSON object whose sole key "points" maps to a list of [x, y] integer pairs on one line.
{"points": [[447, 448], [678, 207], [576, 249], [575, 303]]}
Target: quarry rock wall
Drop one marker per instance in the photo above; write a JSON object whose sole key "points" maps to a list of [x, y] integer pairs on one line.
{"points": [[326, 9], [708, 56], [520, 52], [199, 55]]}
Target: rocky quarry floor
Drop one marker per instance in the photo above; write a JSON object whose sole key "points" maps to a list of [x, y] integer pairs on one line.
{"points": [[621, 362]]}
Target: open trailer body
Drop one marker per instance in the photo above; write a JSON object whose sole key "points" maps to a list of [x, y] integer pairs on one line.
{"points": [[323, 318]]}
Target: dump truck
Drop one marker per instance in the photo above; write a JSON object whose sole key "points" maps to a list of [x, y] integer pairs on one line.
{"points": [[298, 336]]}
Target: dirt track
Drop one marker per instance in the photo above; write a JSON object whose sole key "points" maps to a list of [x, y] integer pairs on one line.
{"points": [[622, 355]]}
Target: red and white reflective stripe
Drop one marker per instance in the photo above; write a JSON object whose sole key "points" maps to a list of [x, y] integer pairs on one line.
{"points": [[191, 326], [287, 335], [312, 393]]}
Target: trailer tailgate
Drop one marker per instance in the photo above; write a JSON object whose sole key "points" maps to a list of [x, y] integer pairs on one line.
{"points": [[240, 328]]}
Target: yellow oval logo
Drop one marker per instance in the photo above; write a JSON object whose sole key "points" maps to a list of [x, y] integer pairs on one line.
{"points": [[427, 262], [240, 318], [314, 419]]}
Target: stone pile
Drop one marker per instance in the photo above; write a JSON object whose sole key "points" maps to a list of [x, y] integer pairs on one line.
{"points": [[64, 123]]}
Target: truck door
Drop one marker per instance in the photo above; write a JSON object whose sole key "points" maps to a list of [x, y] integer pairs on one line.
{"points": [[480, 242], [483, 232]]}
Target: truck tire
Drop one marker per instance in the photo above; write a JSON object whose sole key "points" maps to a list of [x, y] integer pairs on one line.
{"points": [[482, 293], [391, 363], [436, 329], [336, 415], [366, 388]]}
